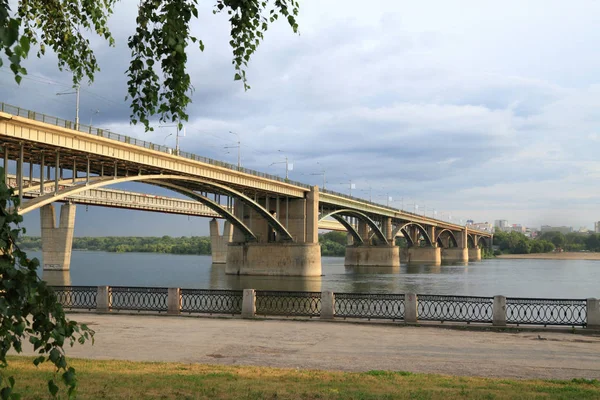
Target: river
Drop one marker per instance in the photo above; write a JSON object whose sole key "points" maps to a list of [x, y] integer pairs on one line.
{"points": [[520, 278]]}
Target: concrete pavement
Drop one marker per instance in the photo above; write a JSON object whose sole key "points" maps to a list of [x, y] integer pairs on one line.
{"points": [[340, 346]]}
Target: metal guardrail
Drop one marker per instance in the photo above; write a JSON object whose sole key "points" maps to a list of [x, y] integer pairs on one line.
{"points": [[361, 305], [521, 311], [211, 301], [455, 308], [138, 298], [306, 304], [77, 297]]}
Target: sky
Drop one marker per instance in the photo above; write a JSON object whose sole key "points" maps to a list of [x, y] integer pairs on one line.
{"points": [[468, 109]]}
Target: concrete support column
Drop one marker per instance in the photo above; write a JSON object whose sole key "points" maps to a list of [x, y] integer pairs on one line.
{"points": [[312, 215], [499, 311], [363, 231], [103, 299], [174, 301], [593, 313], [455, 255], [57, 242], [274, 259], [387, 229], [475, 254], [218, 242], [425, 255], [327, 304], [410, 308], [249, 303], [372, 256]]}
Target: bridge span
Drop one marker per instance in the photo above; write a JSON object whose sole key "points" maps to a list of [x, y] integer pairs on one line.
{"points": [[271, 224]]}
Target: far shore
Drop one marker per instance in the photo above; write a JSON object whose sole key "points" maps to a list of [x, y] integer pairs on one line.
{"points": [[555, 256]]}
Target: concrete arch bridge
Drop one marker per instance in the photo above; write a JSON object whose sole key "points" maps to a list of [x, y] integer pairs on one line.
{"points": [[272, 224]]}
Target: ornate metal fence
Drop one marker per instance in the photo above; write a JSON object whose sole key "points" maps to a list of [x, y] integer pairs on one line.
{"points": [[211, 301], [361, 305], [138, 298], [571, 312], [288, 303], [454, 308], [76, 297]]}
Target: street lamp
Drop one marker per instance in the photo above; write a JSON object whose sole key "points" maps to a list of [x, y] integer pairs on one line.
{"points": [[288, 166], [176, 135], [321, 173], [239, 146], [93, 113], [76, 106]]}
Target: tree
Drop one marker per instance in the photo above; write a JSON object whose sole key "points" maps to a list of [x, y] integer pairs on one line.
{"points": [[159, 44], [28, 307]]}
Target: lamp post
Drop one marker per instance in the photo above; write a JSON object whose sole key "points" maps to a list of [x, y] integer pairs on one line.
{"points": [[93, 113], [176, 136], [239, 147], [76, 92], [321, 173], [287, 165]]}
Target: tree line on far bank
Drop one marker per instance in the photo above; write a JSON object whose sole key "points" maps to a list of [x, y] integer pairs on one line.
{"points": [[517, 243], [333, 244]]}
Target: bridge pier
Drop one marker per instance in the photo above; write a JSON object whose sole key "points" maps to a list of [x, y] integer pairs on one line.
{"points": [[270, 255], [425, 255], [218, 242], [372, 256], [57, 242], [475, 254], [455, 254]]}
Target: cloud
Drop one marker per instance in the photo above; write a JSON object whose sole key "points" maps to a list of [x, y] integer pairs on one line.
{"points": [[482, 111]]}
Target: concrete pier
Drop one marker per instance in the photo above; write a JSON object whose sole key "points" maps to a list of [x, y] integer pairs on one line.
{"points": [[475, 254], [372, 256], [278, 259], [425, 255], [57, 242], [218, 242], [455, 255]]}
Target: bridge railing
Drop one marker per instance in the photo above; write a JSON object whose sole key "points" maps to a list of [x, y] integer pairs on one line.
{"points": [[410, 308]]}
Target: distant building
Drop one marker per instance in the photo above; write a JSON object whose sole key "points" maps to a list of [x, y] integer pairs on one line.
{"points": [[482, 226], [470, 222], [518, 228], [501, 223], [561, 229], [597, 227]]}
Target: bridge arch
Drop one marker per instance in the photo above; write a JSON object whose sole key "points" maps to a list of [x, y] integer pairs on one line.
{"points": [[471, 241], [167, 181], [483, 241], [451, 236], [423, 231], [337, 214]]}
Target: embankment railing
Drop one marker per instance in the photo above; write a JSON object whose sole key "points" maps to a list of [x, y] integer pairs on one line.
{"points": [[409, 307]]}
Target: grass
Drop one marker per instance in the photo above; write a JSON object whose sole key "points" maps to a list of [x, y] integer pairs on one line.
{"points": [[144, 380]]}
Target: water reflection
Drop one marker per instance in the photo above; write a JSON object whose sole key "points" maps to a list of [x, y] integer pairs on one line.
{"points": [[353, 269], [423, 268], [218, 279], [57, 278]]}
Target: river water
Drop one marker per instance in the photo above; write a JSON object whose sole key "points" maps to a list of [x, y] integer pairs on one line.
{"points": [[521, 278]]}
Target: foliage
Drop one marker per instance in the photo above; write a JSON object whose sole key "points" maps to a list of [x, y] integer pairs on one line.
{"points": [[29, 308], [333, 244], [159, 44]]}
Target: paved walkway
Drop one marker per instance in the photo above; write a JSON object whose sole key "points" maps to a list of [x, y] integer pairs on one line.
{"points": [[340, 346]]}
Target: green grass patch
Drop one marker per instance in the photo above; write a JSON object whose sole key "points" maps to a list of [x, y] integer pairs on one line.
{"points": [[145, 380]]}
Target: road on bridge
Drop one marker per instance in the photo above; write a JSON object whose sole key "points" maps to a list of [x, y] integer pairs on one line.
{"points": [[341, 346]]}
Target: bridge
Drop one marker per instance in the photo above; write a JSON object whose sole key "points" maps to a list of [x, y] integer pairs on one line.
{"points": [[271, 224]]}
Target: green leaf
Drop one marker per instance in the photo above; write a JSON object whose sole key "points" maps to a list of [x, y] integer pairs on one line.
{"points": [[237, 77], [52, 387]]}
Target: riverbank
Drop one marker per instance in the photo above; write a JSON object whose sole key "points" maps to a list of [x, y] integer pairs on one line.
{"points": [[554, 256], [143, 380]]}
